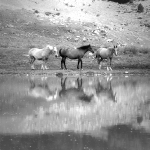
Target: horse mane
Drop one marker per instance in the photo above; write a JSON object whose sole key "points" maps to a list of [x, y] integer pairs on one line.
{"points": [[83, 47]]}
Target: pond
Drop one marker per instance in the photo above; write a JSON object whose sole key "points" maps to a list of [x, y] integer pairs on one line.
{"points": [[88, 112]]}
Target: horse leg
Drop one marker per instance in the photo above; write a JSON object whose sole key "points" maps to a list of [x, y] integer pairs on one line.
{"points": [[45, 59], [42, 67], [45, 66], [81, 64], [31, 61], [107, 64], [99, 62], [78, 63], [65, 63], [62, 61], [110, 64]]}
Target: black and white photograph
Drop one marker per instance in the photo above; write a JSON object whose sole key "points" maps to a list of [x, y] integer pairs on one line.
{"points": [[74, 74]]}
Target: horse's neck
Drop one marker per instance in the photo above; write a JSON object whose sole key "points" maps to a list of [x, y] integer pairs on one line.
{"points": [[84, 50], [46, 49], [111, 50]]}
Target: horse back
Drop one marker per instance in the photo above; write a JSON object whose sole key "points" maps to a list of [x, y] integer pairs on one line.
{"points": [[104, 52], [72, 53], [38, 53]]}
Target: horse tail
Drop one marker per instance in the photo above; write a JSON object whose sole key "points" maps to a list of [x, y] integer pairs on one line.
{"points": [[60, 51], [31, 59]]}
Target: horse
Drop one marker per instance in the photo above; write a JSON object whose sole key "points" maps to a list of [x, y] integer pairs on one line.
{"points": [[106, 53], [41, 56], [76, 93], [73, 53]]}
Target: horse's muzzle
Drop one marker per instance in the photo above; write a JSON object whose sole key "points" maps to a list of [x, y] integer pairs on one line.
{"points": [[56, 55]]}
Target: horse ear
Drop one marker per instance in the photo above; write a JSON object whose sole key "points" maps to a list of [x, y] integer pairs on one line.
{"points": [[50, 47]]}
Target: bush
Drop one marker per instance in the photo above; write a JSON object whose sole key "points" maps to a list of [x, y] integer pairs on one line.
{"points": [[144, 50], [130, 50], [140, 8], [135, 50]]}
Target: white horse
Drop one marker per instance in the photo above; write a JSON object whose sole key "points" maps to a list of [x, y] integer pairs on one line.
{"points": [[41, 56], [106, 53]]}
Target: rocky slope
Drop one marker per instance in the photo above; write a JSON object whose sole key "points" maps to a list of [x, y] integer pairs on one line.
{"points": [[102, 21]]}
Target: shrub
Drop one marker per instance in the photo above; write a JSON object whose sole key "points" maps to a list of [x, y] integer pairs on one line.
{"points": [[130, 50], [144, 50], [140, 8], [135, 50], [121, 1]]}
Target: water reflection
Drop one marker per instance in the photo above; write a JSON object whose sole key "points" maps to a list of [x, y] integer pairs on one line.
{"points": [[102, 112], [103, 89], [41, 89], [75, 92]]}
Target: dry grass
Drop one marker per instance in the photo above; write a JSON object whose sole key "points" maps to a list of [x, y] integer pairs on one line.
{"points": [[134, 50]]}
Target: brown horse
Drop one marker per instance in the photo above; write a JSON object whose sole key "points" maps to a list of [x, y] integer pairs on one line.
{"points": [[106, 53], [73, 53]]}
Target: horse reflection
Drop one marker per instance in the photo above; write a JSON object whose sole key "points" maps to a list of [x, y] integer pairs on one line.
{"points": [[76, 93], [105, 90], [41, 90]]}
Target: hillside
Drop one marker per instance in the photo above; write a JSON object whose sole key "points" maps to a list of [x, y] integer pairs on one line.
{"points": [[35, 23]]}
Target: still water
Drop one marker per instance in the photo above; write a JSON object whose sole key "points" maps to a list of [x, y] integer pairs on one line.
{"points": [[107, 112]]}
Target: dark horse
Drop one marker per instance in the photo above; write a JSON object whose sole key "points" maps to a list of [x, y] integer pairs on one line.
{"points": [[74, 53], [76, 93]]}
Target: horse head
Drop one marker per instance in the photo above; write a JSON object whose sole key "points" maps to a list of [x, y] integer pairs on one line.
{"points": [[52, 49], [91, 49], [49, 47], [116, 50], [56, 52]]}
